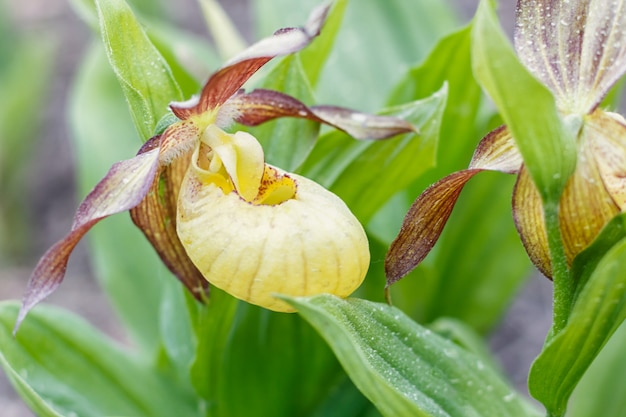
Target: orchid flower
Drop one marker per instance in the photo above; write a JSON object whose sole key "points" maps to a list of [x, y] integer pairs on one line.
{"points": [[577, 49], [215, 211]]}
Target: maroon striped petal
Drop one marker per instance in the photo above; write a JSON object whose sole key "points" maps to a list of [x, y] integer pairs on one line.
{"points": [[576, 48], [123, 187], [530, 223], [260, 106], [226, 81], [428, 215], [156, 217]]}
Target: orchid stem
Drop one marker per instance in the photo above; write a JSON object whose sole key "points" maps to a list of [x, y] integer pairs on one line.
{"points": [[563, 285]]}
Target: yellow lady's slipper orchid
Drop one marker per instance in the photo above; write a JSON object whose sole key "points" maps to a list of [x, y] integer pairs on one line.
{"points": [[215, 211], [230, 201], [577, 48]]}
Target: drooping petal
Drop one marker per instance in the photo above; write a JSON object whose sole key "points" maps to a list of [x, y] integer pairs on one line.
{"points": [[226, 81], [608, 145], [260, 106], [586, 203], [428, 215], [529, 222], [576, 48], [123, 187], [156, 217]]}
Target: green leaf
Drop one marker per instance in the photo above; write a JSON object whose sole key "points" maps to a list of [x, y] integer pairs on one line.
{"points": [[315, 56], [461, 127], [463, 335], [62, 367], [598, 311], [144, 75], [212, 325], [345, 401], [246, 352], [177, 323], [287, 141], [376, 42], [404, 369], [365, 174], [602, 389], [587, 261], [187, 55], [125, 264], [228, 40], [547, 145]]}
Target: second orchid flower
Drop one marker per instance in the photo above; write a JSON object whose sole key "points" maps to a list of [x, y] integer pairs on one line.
{"points": [[578, 50]]}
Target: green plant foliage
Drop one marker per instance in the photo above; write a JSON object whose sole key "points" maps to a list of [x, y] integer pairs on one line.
{"points": [[315, 56], [448, 62], [547, 145], [463, 277], [24, 75], [601, 390], [145, 77], [241, 347], [352, 169], [64, 367], [405, 369], [372, 58], [598, 311]]}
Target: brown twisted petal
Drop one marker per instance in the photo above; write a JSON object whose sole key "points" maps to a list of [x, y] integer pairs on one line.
{"points": [[156, 217], [586, 204], [229, 79], [123, 187], [260, 106], [428, 215]]}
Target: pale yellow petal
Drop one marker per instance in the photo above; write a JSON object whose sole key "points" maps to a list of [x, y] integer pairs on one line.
{"points": [[607, 133], [529, 221], [242, 157], [307, 245]]}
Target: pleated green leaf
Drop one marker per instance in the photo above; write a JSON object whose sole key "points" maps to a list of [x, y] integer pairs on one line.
{"points": [[63, 367], [602, 389], [251, 361], [599, 309], [405, 369]]}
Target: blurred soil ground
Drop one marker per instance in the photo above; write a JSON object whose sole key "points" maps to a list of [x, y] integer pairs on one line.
{"points": [[49, 186]]}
